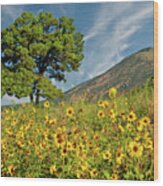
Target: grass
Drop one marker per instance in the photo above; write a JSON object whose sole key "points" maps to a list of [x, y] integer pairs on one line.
{"points": [[109, 139]]}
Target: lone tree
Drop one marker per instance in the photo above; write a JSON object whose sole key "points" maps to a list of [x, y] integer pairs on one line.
{"points": [[37, 49]]}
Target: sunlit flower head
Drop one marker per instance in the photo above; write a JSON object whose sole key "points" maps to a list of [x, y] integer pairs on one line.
{"points": [[46, 104], [135, 149], [100, 103], [106, 155], [64, 152], [53, 170], [139, 125], [112, 114], [112, 92], [119, 156], [93, 173], [105, 104], [14, 122], [70, 112], [114, 176], [100, 114], [132, 116], [52, 121], [145, 121], [11, 169]]}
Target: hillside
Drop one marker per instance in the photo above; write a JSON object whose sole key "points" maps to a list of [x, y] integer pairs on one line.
{"points": [[131, 72]]}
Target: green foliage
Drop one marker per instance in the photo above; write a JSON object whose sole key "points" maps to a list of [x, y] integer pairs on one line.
{"points": [[35, 46]]}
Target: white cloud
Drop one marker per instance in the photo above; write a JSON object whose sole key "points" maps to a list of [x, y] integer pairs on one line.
{"points": [[124, 25]]}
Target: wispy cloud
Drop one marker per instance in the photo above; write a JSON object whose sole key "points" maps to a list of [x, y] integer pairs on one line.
{"points": [[124, 24], [103, 20]]}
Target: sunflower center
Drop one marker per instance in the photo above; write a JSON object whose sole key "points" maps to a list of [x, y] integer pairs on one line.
{"points": [[145, 121], [119, 154], [135, 148], [70, 112], [130, 116]]}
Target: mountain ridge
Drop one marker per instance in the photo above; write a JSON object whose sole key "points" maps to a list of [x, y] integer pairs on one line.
{"points": [[134, 63]]}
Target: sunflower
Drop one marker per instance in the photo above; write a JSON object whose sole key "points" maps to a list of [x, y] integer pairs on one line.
{"points": [[145, 121], [94, 173], [52, 121], [114, 176], [112, 92], [129, 126], [14, 122], [105, 104], [96, 137], [119, 156], [70, 112], [112, 114], [46, 104], [131, 116], [11, 170], [148, 143], [84, 166], [60, 138], [135, 149], [106, 155], [100, 103], [64, 152], [53, 170], [120, 128], [140, 125], [69, 146], [100, 114]]}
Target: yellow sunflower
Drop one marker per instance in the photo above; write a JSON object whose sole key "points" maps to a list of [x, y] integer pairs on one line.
{"points": [[112, 92], [14, 122], [84, 166], [129, 126], [145, 121], [106, 155], [119, 156], [69, 146], [64, 152], [70, 112], [100, 103], [140, 125], [94, 173], [112, 114], [53, 170], [132, 116], [100, 114], [121, 128], [105, 104], [52, 121], [114, 176], [11, 170], [135, 149], [46, 104]]}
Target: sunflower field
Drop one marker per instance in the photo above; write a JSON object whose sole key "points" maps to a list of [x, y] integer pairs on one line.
{"points": [[108, 139]]}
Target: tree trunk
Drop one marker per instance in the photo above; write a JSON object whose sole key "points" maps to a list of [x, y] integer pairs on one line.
{"points": [[37, 97], [31, 98]]}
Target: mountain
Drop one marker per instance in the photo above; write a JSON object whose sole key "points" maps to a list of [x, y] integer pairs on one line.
{"points": [[131, 72]]}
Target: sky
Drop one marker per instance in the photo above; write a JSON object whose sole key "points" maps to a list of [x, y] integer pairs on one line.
{"points": [[111, 31]]}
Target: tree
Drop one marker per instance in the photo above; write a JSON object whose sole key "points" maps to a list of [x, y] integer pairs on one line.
{"points": [[37, 49]]}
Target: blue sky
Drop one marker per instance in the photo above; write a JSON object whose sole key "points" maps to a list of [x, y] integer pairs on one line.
{"points": [[111, 31]]}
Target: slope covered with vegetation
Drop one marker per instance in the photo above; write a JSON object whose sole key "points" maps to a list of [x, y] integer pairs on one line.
{"points": [[131, 72]]}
